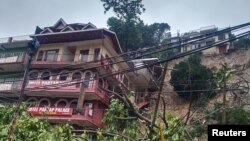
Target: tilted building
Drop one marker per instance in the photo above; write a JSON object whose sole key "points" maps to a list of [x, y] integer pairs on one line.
{"points": [[71, 78]]}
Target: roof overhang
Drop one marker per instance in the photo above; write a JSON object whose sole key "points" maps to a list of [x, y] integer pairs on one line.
{"points": [[82, 35]]}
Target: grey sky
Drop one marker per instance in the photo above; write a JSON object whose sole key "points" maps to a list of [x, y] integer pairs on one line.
{"points": [[20, 17]]}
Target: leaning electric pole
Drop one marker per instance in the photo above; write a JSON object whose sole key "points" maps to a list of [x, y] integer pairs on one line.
{"points": [[32, 46]]}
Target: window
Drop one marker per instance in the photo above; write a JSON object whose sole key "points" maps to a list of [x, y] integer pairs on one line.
{"points": [[110, 62], [210, 42], [33, 75], [88, 80], [40, 56], [73, 104], [84, 55], [77, 77], [63, 76], [44, 103], [51, 55], [89, 106], [61, 104], [96, 54], [185, 48], [101, 83], [221, 37], [45, 75]]}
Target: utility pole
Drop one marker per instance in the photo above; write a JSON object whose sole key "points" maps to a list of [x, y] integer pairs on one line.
{"points": [[32, 46], [81, 98], [158, 98]]}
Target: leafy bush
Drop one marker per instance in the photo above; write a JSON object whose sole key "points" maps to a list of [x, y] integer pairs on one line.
{"points": [[189, 76]]}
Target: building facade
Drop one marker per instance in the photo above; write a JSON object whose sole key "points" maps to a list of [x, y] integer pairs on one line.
{"points": [[13, 59], [72, 78], [208, 41]]}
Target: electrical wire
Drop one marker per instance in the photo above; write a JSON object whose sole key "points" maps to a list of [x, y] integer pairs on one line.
{"points": [[158, 62], [164, 49]]}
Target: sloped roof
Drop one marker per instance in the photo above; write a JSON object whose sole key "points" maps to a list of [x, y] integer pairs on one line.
{"points": [[61, 24]]}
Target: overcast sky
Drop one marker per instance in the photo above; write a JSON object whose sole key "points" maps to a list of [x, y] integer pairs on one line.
{"points": [[20, 17]]}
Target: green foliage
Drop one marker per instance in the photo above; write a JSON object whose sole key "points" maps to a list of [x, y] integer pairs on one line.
{"points": [[116, 123], [190, 75], [127, 10], [130, 30], [154, 34], [31, 129], [135, 35], [174, 131], [213, 116], [128, 33], [222, 76], [234, 115], [198, 129], [242, 43]]}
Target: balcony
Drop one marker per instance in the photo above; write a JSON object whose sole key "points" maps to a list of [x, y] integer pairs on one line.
{"points": [[7, 88], [75, 61], [12, 61], [65, 89], [85, 117]]}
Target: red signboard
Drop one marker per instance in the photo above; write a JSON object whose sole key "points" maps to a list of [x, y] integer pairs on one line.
{"points": [[50, 111]]}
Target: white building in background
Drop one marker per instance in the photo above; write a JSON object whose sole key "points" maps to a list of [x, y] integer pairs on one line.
{"points": [[223, 48]]}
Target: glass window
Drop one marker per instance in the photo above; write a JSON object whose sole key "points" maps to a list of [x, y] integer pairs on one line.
{"points": [[84, 55], [87, 82], [33, 75], [77, 77], [222, 37], [44, 103], [45, 75], [96, 54], [73, 104], [51, 55], [63, 76], [40, 56], [61, 104]]}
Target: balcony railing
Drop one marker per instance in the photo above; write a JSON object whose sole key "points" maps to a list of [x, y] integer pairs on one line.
{"points": [[72, 59], [65, 86], [11, 57], [9, 86]]}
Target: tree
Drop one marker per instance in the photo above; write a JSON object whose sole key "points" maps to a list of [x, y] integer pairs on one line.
{"points": [[130, 29], [126, 10], [242, 43], [236, 115], [119, 123], [133, 36], [31, 128], [222, 76], [154, 34], [129, 33], [190, 76]]}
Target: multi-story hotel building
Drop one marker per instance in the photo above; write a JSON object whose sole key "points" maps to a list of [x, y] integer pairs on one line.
{"points": [[68, 81]]}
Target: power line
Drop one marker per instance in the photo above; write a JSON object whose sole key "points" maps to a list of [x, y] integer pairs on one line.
{"points": [[158, 62], [205, 36], [137, 66]]}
